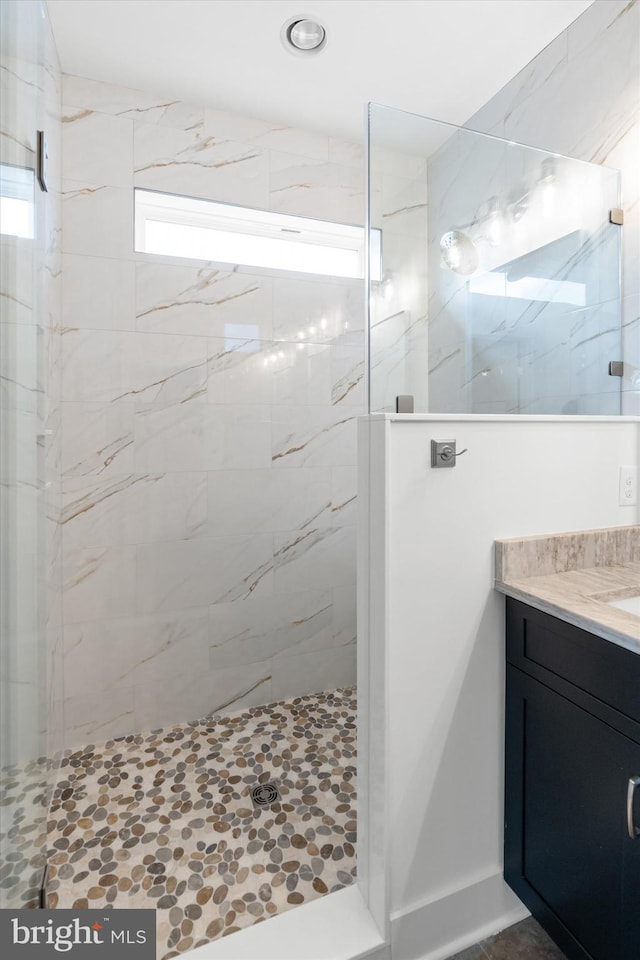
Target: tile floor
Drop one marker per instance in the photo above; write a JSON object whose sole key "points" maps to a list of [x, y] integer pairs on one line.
{"points": [[523, 941], [166, 819], [24, 796]]}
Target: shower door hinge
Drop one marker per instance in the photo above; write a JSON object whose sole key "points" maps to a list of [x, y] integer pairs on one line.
{"points": [[616, 368], [616, 216]]}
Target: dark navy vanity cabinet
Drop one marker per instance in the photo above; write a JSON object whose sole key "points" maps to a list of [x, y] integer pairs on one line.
{"points": [[572, 784]]}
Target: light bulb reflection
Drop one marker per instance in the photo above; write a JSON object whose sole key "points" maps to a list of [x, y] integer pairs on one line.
{"points": [[548, 197], [494, 223]]}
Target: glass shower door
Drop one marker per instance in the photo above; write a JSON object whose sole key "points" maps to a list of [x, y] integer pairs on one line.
{"points": [[22, 682]]}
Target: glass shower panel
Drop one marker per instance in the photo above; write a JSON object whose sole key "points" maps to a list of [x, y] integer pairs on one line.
{"points": [[500, 289], [23, 770]]}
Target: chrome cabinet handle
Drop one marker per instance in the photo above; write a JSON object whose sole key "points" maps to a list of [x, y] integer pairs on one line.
{"points": [[634, 832]]}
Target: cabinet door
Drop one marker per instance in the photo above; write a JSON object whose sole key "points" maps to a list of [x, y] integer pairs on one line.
{"points": [[574, 848]]}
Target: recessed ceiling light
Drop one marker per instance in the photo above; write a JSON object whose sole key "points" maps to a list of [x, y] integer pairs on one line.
{"points": [[303, 35]]}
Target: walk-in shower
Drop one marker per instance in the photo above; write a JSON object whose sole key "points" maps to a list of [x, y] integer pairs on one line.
{"points": [[178, 511]]}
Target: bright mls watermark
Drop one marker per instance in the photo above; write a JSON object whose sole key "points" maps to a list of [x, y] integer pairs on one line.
{"points": [[79, 934]]}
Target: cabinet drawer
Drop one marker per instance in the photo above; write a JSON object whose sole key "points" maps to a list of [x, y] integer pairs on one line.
{"points": [[541, 644]]}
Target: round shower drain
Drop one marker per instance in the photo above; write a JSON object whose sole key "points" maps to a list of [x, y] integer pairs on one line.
{"points": [[265, 794]]}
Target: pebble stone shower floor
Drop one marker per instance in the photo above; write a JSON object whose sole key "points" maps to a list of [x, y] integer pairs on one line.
{"points": [[166, 820]]}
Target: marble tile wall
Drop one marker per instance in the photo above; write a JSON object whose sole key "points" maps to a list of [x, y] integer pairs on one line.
{"points": [[579, 97], [399, 302], [208, 424]]}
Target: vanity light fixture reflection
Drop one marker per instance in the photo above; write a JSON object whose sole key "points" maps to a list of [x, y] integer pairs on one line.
{"points": [[460, 246]]}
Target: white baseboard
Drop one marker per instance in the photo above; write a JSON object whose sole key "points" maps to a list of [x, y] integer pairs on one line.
{"points": [[442, 927]]}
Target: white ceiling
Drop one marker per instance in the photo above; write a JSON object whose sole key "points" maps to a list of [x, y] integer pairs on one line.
{"points": [[439, 58]]}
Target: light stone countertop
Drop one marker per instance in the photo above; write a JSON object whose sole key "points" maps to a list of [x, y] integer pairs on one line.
{"points": [[572, 576]]}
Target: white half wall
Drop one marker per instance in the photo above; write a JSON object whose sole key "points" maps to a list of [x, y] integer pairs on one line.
{"points": [[442, 651]]}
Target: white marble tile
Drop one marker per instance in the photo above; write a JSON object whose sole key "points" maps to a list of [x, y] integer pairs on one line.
{"points": [[492, 116], [21, 78], [99, 583], [185, 162], [97, 221], [587, 31], [309, 188], [102, 365], [318, 311], [97, 439], [17, 280], [193, 573], [294, 140], [91, 719], [624, 157], [203, 301], [445, 382], [25, 506], [150, 406], [583, 126], [595, 340], [404, 206], [263, 627], [347, 377], [313, 436], [200, 436], [242, 371], [405, 284], [228, 126], [300, 373], [171, 437], [225, 125], [344, 615], [631, 403], [344, 486], [391, 349], [134, 508], [324, 556], [126, 652], [595, 404], [218, 691], [21, 383], [347, 153], [314, 672], [260, 501], [134, 104], [97, 148], [385, 160], [246, 439], [631, 342], [98, 293], [493, 375]]}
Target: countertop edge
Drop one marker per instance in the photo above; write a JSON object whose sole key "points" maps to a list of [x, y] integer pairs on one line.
{"points": [[563, 613]]}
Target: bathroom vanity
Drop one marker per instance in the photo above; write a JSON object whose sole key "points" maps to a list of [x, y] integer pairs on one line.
{"points": [[572, 736]]}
